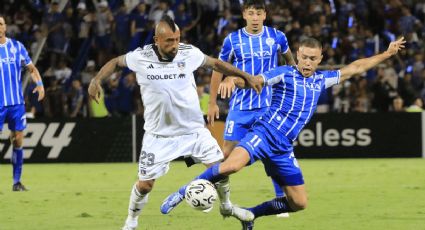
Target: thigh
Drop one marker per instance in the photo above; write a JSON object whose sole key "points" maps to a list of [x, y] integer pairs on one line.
{"points": [[284, 169], [16, 118], [205, 148], [156, 155]]}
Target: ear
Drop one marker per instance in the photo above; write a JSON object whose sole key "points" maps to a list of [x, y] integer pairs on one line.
{"points": [[320, 59], [155, 39]]}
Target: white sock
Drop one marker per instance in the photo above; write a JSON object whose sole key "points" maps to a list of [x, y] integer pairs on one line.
{"points": [[137, 202], [223, 190]]}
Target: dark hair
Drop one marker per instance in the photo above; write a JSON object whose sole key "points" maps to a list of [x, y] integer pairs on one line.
{"points": [[170, 22], [256, 4], [311, 43]]}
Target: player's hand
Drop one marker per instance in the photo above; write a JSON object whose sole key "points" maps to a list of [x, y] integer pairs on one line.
{"points": [[256, 83], [40, 90], [213, 113], [95, 90], [226, 87], [396, 46]]}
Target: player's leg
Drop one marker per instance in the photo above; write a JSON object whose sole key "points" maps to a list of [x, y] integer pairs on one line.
{"points": [[154, 160], [284, 169], [17, 123], [138, 199]]}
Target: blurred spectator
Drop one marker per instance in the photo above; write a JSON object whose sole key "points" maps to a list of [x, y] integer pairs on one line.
{"points": [[121, 28], [104, 21], [76, 100], [139, 26], [163, 7], [88, 73], [417, 106], [398, 105]]}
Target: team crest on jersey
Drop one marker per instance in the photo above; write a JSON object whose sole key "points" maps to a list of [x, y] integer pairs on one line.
{"points": [[13, 50], [269, 41], [181, 64]]}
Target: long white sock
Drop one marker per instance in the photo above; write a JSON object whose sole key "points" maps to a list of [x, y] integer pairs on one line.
{"points": [[223, 190], [137, 202]]}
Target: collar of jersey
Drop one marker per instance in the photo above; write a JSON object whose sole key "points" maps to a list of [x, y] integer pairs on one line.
{"points": [[7, 40], [253, 35], [155, 48]]}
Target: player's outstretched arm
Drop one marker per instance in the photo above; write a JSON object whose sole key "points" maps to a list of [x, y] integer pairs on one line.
{"points": [[95, 88], [364, 64], [230, 70]]}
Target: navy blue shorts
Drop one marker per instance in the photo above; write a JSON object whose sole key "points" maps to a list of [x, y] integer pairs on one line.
{"points": [[263, 142]]}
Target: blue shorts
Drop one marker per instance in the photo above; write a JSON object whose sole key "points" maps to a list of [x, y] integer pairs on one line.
{"points": [[239, 122], [263, 142], [15, 117]]}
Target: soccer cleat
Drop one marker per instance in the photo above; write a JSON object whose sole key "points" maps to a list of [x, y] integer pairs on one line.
{"points": [[171, 202], [283, 215], [130, 224], [19, 187], [239, 213], [247, 225]]}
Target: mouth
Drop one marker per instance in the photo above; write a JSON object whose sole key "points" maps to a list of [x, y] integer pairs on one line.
{"points": [[306, 71]]}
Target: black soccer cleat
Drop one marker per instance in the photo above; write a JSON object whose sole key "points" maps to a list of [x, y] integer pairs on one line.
{"points": [[247, 225], [19, 187]]}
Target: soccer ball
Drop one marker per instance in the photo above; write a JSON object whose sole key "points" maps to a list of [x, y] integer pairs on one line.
{"points": [[201, 194]]}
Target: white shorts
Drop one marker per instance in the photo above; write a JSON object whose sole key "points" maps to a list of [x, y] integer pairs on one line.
{"points": [[158, 151]]}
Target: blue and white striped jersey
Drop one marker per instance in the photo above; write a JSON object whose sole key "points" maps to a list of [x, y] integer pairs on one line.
{"points": [[254, 54], [295, 97], [12, 54]]}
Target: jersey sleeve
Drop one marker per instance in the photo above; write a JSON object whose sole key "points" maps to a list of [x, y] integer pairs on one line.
{"points": [[131, 59], [23, 53], [282, 41], [274, 76], [197, 58], [226, 50], [332, 78]]}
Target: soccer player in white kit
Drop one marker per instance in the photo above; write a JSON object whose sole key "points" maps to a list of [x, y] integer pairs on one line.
{"points": [[174, 124]]}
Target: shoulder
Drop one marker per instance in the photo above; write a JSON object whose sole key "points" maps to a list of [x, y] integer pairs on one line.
{"points": [[184, 46]]}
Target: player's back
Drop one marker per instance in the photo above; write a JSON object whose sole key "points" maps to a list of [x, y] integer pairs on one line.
{"points": [[254, 54], [168, 89]]}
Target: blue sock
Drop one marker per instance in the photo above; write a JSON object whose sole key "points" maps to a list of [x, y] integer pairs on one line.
{"points": [[210, 174], [17, 162], [272, 207], [277, 189]]}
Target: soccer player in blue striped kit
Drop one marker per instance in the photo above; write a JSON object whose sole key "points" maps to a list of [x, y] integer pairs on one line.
{"points": [[12, 108], [296, 90], [254, 49]]}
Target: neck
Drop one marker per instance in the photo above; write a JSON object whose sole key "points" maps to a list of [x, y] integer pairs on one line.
{"points": [[252, 31], [2, 40]]}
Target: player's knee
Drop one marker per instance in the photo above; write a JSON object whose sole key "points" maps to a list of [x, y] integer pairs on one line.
{"points": [[144, 187], [298, 204], [16, 139]]}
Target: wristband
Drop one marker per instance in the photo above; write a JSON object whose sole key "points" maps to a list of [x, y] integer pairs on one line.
{"points": [[39, 83]]}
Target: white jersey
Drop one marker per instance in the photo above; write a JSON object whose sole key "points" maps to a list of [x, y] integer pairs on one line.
{"points": [[168, 89]]}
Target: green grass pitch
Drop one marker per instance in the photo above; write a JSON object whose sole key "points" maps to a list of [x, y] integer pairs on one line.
{"points": [[343, 194]]}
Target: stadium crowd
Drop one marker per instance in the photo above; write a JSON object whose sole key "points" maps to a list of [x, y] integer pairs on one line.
{"points": [[83, 35]]}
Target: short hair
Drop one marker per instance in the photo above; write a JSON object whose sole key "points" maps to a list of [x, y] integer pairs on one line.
{"points": [[256, 4], [311, 43], [170, 22]]}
